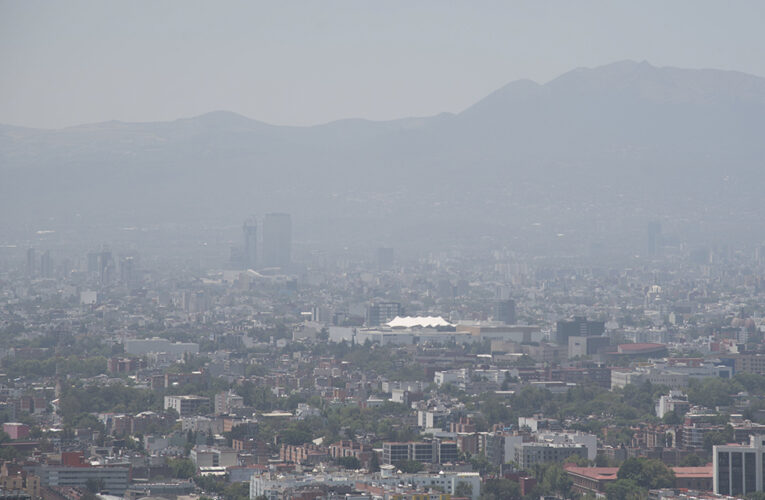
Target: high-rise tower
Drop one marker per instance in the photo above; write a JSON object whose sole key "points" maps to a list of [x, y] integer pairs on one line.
{"points": [[250, 251], [31, 262], [277, 240]]}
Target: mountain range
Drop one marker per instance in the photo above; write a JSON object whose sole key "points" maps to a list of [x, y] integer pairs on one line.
{"points": [[594, 153]]}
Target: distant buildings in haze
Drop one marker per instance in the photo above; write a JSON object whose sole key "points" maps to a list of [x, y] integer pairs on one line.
{"points": [[269, 247]]}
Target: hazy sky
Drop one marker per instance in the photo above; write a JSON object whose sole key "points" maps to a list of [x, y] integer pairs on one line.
{"points": [[71, 62]]}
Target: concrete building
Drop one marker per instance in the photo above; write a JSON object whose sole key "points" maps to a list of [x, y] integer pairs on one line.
{"points": [[436, 452], [499, 331], [227, 401], [674, 373], [738, 468], [16, 430], [115, 479], [208, 456], [589, 441], [675, 401], [578, 326], [593, 480], [177, 350], [459, 376], [124, 365], [528, 454], [582, 347], [250, 250], [185, 405], [380, 313], [432, 419], [504, 311]]}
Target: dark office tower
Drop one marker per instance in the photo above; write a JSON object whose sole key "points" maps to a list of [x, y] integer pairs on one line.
{"points": [[578, 327], [31, 262], [654, 238], [129, 271], [46, 265], [380, 313], [249, 255], [277, 240], [105, 267], [384, 258], [93, 258], [504, 311]]}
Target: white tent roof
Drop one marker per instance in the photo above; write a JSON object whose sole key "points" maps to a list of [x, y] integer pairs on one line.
{"points": [[421, 321]]}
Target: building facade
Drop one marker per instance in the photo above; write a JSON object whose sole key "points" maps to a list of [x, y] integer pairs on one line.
{"points": [[277, 240], [738, 468]]}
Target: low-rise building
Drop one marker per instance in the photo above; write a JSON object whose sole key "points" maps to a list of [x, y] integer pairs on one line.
{"points": [[185, 405], [209, 456], [529, 454]]}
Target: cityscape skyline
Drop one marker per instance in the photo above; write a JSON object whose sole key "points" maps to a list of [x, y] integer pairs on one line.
{"points": [[352, 250]]}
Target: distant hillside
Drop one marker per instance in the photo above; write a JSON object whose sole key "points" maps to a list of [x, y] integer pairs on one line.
{"points": [[630, 136]]}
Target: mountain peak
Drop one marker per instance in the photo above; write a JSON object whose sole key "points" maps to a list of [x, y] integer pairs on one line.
{"points": [[223, 118], [609, 75]]}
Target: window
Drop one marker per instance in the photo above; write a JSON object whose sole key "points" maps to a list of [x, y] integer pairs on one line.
{"points": [[750, 472], [736, 473], [723, 473]]}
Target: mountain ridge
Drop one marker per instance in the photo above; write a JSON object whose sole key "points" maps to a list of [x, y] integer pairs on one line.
{"points": [[619, 127], [623, 68]]}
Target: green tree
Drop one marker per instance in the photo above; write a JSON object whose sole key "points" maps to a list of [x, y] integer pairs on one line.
{"points": [[500, 489], [463, 489], [693, 461], [723, 436], [625, 489], [237, 491], [409, 466], [210, 484], [647, 473], [482, 465], [712, 391], [297, 433], [672, 418], [374, 463], [182, 468], [552, 479]]}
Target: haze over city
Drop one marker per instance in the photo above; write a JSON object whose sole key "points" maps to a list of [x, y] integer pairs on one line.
{"points": [[382, 250]]}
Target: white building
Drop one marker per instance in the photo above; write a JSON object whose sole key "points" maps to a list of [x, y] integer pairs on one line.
{"points": [[589, 441], [341, 333], [674, 401], [529, 454], [674, 373], [115, 479], [738, 468], [412, 336], [185, 405], [430, 419], [157, 345], [208, 456], [152, 443], [459, 376]]}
